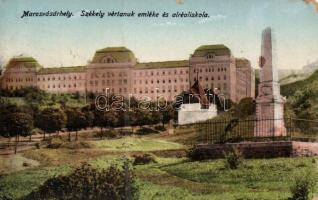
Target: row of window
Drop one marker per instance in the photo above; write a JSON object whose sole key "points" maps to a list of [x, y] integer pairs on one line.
{"points": [[27, 79], [108, 74], [163, 72], [212, 78], [58, 78], [62, 86], [109, 82], [158, 81], [210, 69]]}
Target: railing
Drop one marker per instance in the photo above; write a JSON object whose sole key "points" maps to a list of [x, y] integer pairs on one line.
{"points": [[251, 129]]}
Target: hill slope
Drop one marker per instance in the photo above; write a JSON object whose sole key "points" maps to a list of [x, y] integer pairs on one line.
{"points": [[302, 96]]}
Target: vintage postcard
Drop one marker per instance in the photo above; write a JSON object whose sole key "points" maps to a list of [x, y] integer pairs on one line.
{"points": [[148, 99]]}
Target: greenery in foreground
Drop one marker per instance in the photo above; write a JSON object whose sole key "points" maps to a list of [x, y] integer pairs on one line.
{"points": [[178, 178]]}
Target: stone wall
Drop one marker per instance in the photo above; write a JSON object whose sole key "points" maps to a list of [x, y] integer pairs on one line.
{"points": [[259, 149]]}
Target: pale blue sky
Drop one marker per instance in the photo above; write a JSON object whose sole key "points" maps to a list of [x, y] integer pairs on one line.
{"points": [[56, 41]]}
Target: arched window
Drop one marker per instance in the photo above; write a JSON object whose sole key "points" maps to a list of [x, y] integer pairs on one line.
{"points": [[210, 56], [107, 59]]}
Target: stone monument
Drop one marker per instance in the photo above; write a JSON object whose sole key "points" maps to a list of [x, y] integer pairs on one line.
{"points": [[269, 102]]}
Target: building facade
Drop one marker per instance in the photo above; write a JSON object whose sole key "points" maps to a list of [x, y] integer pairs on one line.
{"points": [[116, 70]]}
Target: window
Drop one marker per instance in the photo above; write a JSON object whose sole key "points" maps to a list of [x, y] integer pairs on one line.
{"points": [[107, 59], [210, 56]]}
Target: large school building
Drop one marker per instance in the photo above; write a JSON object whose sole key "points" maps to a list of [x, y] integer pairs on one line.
{"points": [[116, 70]]}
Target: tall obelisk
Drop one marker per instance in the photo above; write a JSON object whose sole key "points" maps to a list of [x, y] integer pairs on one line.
{"points": [[269, 102]]}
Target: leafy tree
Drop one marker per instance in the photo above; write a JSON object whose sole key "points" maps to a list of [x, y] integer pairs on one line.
{"points": [[105, 119], [51, 120], [245, 108], [142, 117], [20, 123], [15, 121], [76, 120], [155, 117], [168, 114]]}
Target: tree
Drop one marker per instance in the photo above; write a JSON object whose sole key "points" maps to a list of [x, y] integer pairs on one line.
{"points": [[105, 119], [15, 121], [20, 123], [76, 120], [168, 114], [142, 117], [245, 108], [51, 120]]}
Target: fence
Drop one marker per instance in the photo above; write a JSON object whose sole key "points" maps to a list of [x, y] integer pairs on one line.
{"points": [[235, 130]]}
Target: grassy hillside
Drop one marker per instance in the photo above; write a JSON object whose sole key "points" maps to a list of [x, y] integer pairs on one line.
{"points": [[310, 82], [302, 103]]}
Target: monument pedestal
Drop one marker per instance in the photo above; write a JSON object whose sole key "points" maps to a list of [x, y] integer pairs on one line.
{"points": [[269, 102]]}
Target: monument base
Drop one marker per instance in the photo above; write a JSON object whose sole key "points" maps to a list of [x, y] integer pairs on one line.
{"points": [[192, 113]]}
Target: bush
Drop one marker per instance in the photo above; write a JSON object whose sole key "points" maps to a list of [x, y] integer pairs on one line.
{"points": [[144, 159], [76, 145], [58, 142], [233, 158], [110, 134], [54, 142], [146, 131], [303, 188], [160, 128], [88, 183], [198, 154]]}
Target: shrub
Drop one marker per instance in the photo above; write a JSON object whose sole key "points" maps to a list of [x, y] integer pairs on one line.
{"points": [[76, 145], [111, 133], [54, 142], [58, 142], [144, 159], [88, 183], [303, 188], [160, 128], [37, 145], [198, 154], [146, 131], [233, 158]]}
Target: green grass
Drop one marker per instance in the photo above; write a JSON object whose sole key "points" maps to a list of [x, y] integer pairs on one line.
{"points": [[12, 163], [179, 178], [136, 144], [19, 184], [169, 178]]}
